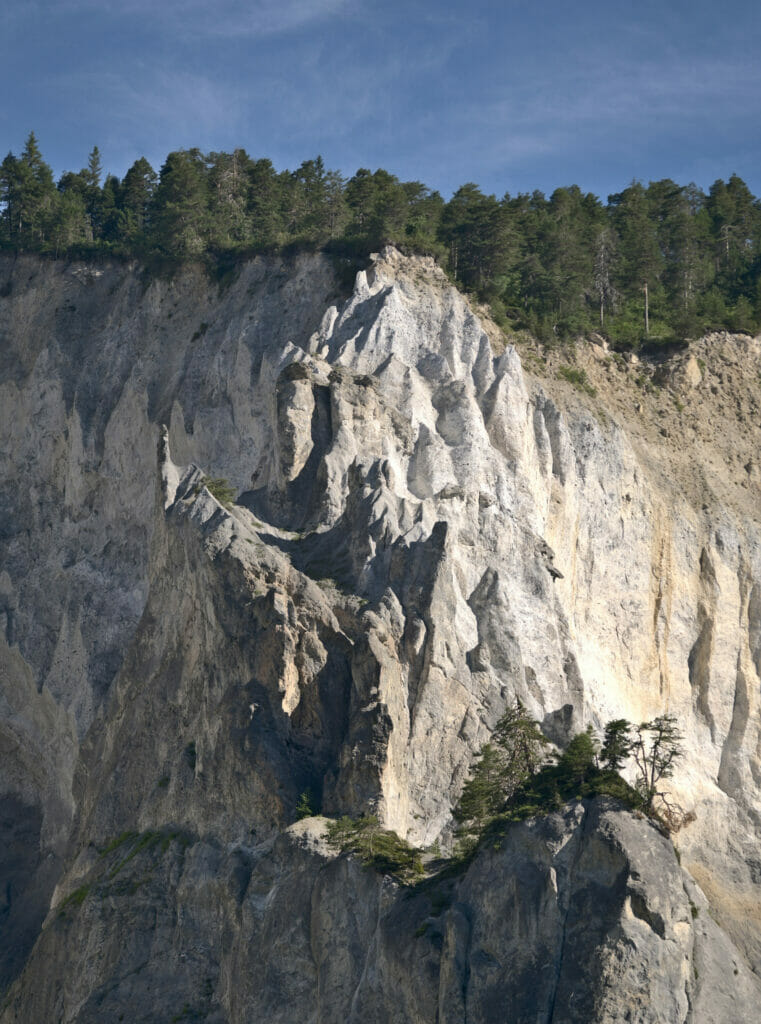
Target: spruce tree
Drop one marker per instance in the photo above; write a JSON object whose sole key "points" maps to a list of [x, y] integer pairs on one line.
{"points": [[179, 214], [617, 744], [515, 753], [28, 192], [578, 762], [135, 198]]}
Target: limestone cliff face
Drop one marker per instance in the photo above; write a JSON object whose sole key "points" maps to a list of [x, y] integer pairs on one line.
{"points": [[425, 529], [584, 916]]}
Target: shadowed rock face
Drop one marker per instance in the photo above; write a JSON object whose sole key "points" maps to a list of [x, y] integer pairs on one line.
{"points": [[580, 916], [423, 533], [28, 880]]}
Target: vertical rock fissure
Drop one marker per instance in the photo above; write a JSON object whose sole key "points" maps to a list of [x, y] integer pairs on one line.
{"points": [[689, 1018], [581, 832], [370, 960], [314, 895], [699, 667], [466, 971], [730, 768]]}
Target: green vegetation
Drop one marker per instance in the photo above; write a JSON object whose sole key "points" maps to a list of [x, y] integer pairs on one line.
{"points": [[75, 899], [376, 847], [578, 378], [654, 265], [219, 488], [120, 840], [656, 747], [304, 806], [146, 841], [127, 846], [132, 843], [513, 779], [493, 797], [515, 753]]}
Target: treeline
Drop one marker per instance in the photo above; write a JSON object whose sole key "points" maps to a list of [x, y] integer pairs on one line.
{"points": [[656, 263]]}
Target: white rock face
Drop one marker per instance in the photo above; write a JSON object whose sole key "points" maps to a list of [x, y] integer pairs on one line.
{"points": [[423, 533]]}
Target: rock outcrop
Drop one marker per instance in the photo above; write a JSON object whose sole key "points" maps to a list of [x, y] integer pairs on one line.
{"points": [[424, 531], [576, 917]]}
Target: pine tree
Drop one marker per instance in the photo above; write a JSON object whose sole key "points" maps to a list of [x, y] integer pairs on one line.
{"points": [[617, 744], [70, 224], [641, 259], [265, 204], [28, 193], [11, 223], [568, 253], [675, 212], [604, 289], [179, 213], [360, 200], [136, 197], [484, 793], [735, 221], [501, 766], [335, 204], [656, 748], [228, 190], [477, 231], [39, 190], [424, 209], [579, 760], [110, 213], [307, 203]]}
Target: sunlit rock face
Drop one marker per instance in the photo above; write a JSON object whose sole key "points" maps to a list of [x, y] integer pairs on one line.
{"points": [[425, 530]]}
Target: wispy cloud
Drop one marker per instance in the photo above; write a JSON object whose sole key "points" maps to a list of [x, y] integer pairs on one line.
{"points": [[189, 18], [443, 91], [551, 111], [155, 110], [288, 108], [317, 105]]}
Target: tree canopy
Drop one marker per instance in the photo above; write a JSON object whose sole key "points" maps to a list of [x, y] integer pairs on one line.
{"points": [[656, 263], [513, 777]]}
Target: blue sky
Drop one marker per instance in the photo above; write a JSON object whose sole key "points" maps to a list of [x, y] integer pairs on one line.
{"points": [[512, 95]]}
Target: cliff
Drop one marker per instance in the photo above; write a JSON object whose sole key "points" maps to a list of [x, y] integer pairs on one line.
{"points": [[427, 527]]}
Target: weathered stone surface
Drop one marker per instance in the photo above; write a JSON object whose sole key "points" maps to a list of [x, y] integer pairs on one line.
{"points": [[424, 531], [580, 917]]}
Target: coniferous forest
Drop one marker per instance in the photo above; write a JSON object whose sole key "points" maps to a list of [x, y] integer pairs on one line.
{"points": [[657, 264]]}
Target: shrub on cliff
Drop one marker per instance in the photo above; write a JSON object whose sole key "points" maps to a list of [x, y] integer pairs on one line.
{"points": [[219, 488], [376, 847]]}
